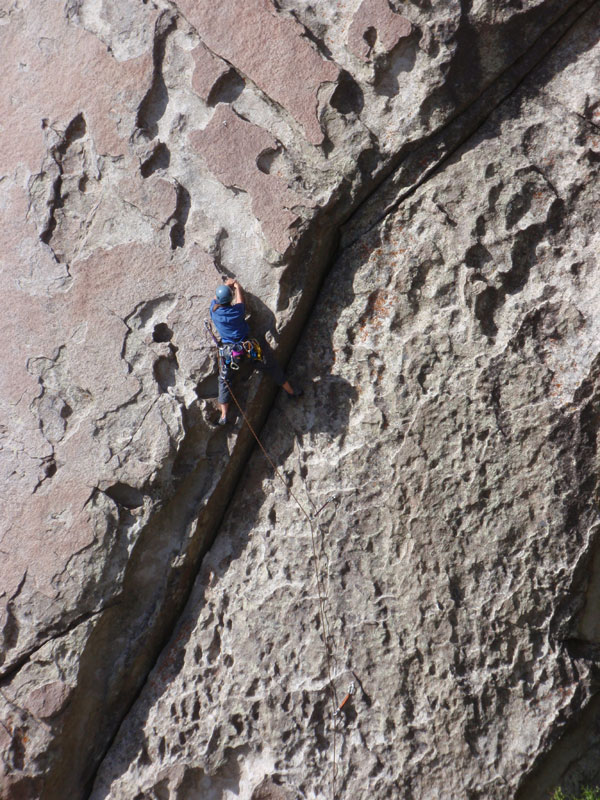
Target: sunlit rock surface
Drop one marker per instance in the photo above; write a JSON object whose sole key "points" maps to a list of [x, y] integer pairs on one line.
{"points": [[450, 423], [450, 411]]}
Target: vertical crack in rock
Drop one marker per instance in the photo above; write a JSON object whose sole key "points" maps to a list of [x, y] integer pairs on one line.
{"points": [[75, 130], [231, 146], [410, 167], [284, 51], [180, 216]]}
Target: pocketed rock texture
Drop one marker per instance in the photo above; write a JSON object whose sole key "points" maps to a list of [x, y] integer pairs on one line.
{"points": [[447, 438], [447, 448]]}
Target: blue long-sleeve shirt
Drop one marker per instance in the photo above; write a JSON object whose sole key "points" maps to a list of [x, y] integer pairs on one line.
{"points": [[230, 322]]}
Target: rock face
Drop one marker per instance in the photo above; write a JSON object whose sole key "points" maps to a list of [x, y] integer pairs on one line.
{"points": [[434, 543], [451, 427]]}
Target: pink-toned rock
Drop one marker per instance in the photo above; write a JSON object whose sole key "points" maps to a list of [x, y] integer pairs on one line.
{"points": [[208, 70], [34, 54], [72, 342], [231, 146], [155, 197], [387, 27], [270, 49], [58, 72], [43, 537], [48, 700]]}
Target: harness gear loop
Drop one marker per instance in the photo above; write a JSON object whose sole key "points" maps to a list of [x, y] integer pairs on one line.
{"points": [[253, 349], [231, 355]]}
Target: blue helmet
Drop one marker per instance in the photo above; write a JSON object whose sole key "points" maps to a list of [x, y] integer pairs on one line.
{"points": [[224, 294]]}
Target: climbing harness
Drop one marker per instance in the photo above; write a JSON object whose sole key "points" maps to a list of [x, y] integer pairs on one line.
{"points": [[232, 355], [336, 706]]}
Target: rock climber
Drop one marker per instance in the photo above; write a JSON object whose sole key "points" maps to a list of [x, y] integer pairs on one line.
{"points": [[228, 313]]}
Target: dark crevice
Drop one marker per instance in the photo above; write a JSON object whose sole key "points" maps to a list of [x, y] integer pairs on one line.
{"points": [[49, 466], [162, 332], [180, 216], [125, 495], [581, 649], [226, 89], [165, 370], [11, 629], [368, 162], [160, 159], [154, 104], [484, 308], [266, 159], [523, 257], [55, 203], [347, 97], [75, 130], [318, 43]]}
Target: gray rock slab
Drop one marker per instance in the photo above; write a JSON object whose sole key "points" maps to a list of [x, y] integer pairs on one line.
{"points": [[430, 536]]}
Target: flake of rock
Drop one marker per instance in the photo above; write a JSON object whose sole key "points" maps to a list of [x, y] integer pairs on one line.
{"points": [[48, 700], [208, 71], [154, 197], [271, 50], [375, 21], [89, 389], [126, 27], [43, 46], [231, 147]]}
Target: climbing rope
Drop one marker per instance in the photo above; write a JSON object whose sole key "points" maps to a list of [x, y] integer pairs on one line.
{"points": [[335, 705]]}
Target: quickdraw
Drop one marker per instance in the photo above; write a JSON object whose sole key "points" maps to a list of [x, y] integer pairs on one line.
{"points": [[350, 692]]}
